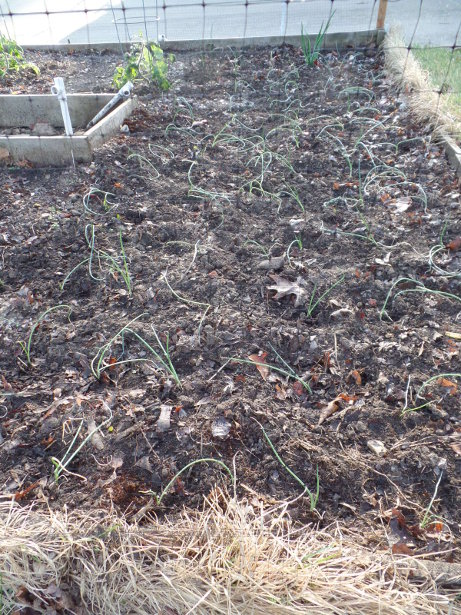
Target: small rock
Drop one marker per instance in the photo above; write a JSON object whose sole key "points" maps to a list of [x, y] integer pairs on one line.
{"points": [[360, 426], [96, 439], [144, 463], [164, 420], [220, 427], [377, 447], [276, 262], [341, 312]]}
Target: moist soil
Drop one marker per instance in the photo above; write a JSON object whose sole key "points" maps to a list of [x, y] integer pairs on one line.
{"points": [[265, 208]]}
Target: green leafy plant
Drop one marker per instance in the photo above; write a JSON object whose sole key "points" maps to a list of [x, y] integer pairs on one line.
{"points": [[144, 61], [26, 345], [115, 266], [311, 52], [419, 288], [60, 465], [287, 371], [438, 379], [314, 302], [296, 242], [440, 249], [313, 497], [12, 58], [429, 517], [160, 357], [98, 197]]}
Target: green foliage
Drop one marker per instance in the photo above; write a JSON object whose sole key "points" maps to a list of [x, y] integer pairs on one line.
{"points": [[144, 61], [12, 58], [312, 52], [26, 345]]}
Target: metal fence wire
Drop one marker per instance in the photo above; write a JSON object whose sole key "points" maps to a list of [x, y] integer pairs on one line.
{"points": [[430, 31]]}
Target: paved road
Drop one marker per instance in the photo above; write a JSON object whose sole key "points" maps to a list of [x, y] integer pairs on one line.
{"points": [[187, 19]]}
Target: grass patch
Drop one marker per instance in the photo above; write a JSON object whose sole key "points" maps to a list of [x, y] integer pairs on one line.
{"points": [[444, 68], [421, 73], [227, 557]]}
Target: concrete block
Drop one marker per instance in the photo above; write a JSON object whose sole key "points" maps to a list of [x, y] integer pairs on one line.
{"points": [[20, 111]]}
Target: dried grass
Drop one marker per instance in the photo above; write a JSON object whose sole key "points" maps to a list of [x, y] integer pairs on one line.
{"points": [[228, 558], [426, 104]]}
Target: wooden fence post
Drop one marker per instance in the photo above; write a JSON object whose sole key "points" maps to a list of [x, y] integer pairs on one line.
{"points": [[381, 14]]}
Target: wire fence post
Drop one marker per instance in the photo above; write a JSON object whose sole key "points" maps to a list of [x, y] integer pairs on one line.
{"points": [[381, 14], [283, 18]]}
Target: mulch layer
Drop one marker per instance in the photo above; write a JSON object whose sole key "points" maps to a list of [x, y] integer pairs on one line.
{"points": [[294, 238]]}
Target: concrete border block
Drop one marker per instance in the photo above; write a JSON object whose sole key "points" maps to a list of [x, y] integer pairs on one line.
{"points": [[58, 150], [334, 40], [453, 152]]}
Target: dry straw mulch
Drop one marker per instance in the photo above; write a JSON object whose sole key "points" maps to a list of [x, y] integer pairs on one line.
{"points": [[229, 558], [425, 102]]}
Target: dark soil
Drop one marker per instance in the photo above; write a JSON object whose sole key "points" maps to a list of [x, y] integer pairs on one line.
{"points": [[204, 192]]}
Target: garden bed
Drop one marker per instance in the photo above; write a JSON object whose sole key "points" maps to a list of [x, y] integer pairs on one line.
{"points": [[261, 208]]}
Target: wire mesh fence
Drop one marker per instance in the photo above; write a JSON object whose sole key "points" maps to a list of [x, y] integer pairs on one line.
{"points": [[285, 168], [95, 21], [430, 32]]}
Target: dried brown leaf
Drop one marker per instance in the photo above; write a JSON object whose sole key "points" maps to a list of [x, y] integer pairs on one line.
{"points": [[261, 365], [355, 374], [456, 446], [284, 288], [330, 409], [400, 548], [455, 244]]}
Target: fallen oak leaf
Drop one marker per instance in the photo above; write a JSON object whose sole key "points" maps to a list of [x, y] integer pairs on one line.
{"points": [[280, 392], [6, 385], [260, 364], [20, 495], [436, 526], [348, 398], [284, 288], [447, 383], [298, 388]]}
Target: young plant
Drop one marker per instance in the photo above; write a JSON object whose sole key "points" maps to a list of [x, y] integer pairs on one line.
{"points": [[12, 58], [60, 465], [296, 242], [311, 52], [440, 248], [435, 378], [429, 517], [159, 498], [100, 197], [294, 194], [144, 61], [100, 255], [26, 345], [314, 302], [313, 497], [419, 288], [160, 357], [288, 371]]}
